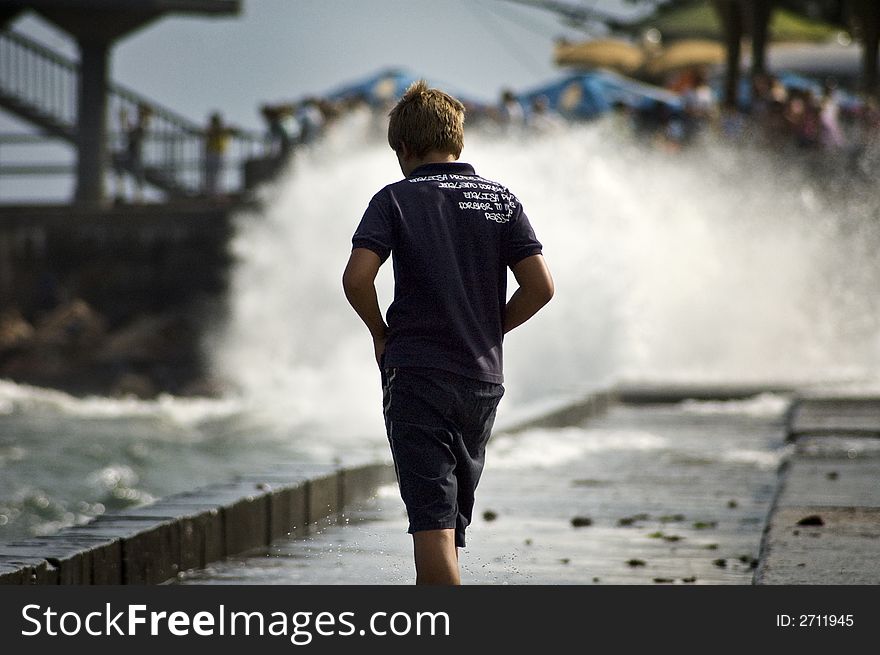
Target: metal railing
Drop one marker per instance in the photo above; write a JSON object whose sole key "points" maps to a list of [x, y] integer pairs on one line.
{"points": [[173, 147], [41, 86], [37, 77]]}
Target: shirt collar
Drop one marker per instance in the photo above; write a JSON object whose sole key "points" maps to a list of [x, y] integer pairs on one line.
{"points": [[438, 168]]}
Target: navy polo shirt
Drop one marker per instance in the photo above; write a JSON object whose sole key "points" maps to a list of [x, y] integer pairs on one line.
{"points": [[451, 235]]}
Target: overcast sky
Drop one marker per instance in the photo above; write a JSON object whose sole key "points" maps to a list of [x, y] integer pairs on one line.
{"points": [[284, 49]]}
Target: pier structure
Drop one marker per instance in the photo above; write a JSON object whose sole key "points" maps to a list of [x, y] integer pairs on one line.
{"points": [[75, 101], [123, 264], [71, 100]]}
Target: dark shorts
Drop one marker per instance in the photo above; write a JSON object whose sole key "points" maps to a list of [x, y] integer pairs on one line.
{"points": [[438, 424]]}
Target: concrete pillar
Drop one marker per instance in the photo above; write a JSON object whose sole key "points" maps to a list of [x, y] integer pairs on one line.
{"points": [[92, 121]]}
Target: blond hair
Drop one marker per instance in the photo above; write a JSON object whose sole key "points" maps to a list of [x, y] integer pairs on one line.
{"points": [[426, 119]]}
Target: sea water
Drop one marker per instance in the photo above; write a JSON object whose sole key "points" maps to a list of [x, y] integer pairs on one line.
{"points": [[719, 263]]}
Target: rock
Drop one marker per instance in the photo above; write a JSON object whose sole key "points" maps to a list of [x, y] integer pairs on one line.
{"points": [[489, 515], [15, 331], [720, 563], [672, 518], [37, 364], [635, 562], [812, 519], [204, 388], [630, 520], [147, 339], [581, 521], [73, 325], [132, 384]]}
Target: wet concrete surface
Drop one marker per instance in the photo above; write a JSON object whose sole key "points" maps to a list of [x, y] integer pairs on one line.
{"points": [[643, 494]]}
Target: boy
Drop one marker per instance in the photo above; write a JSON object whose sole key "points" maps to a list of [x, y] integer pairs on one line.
{"points": [[452, 235]]}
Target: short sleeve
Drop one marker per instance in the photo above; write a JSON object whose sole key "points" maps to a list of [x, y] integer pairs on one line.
{"points": [[521, 239], [375, 231]]}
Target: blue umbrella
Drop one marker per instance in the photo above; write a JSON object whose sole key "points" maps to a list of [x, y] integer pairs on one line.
{"points": [[387, 86], [590, 94], [575, 96], [638, 95], [379, 88]]}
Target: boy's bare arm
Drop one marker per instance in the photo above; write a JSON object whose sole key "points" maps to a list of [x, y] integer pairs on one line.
{"points": [[535, 290], [358, 281]]}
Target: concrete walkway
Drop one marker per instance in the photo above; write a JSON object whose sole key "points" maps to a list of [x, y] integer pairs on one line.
{"points": [[825, 523], [640, 494]]}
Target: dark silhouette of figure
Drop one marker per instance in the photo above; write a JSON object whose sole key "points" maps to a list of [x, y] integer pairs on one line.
{"points": [[131, 160], [217, 137]]}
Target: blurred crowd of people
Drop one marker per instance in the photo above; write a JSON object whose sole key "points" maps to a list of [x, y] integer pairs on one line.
{"points": [[292, 124], [289, 125], [799, 118], [793, 118], [817, 120], [784, 117]]}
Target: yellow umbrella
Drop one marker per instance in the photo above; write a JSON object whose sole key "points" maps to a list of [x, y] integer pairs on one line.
{"points": [[615, 54], [690, 53]]}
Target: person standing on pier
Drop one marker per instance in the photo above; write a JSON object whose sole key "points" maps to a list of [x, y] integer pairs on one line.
{"points": [[132, 158], [452, 236], [217, 136]]}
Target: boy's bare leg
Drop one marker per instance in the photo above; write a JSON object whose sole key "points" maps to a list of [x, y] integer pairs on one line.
{"points": [[436, 557]]}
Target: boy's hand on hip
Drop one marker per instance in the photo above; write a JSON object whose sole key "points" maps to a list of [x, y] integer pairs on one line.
{"points": [[358, 280], [379, 348]]}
